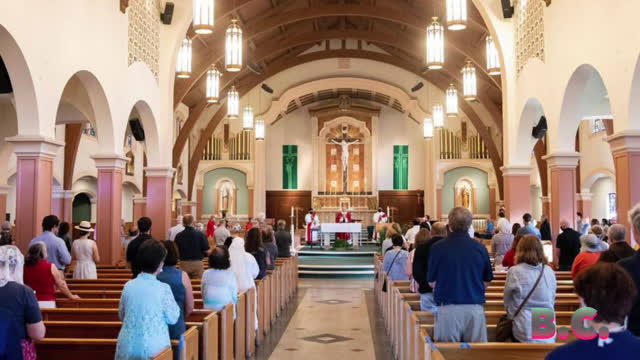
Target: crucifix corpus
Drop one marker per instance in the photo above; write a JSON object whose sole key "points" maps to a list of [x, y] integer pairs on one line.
{"points": [[345, 142]]}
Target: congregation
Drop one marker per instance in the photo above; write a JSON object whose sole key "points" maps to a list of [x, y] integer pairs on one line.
{"points": [[155, 304]]}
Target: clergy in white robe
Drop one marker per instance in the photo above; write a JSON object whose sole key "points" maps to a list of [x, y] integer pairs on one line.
{"points": [[312, 222]]}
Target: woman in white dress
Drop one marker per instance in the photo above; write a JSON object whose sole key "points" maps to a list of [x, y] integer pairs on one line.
{"points": [[245, 267], [85, 251]]}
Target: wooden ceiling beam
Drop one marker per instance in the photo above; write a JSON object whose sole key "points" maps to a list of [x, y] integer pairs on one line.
{"points": [[400, 14], [282, 64]]}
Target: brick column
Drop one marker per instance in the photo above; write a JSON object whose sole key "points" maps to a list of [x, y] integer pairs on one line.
{"points": [[199, 197], [562, 168], [4, 192], [625, 147], [546, 205], [139, 208], [438, 215], [260, 179], [493, 209], [430, 196], [109, 206], [34, 184], [159, 197], [517, 200], [62, 205], [583, 204]]}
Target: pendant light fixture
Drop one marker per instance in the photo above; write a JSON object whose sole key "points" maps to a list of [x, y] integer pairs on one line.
{"points": [[452, 101], [456, 15], [203, 16], [259, 129], [233, 103], [183, 63], [213, 85], [493, 60], [247, 118], [233, 47], [435, 45], [427, 128], [438, 116], [470, 88]]}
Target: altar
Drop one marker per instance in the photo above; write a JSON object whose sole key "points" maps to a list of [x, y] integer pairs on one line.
{"points": [[326, 229]]}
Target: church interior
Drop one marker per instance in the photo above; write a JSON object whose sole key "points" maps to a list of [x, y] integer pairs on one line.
{"points": [[342, 123]]}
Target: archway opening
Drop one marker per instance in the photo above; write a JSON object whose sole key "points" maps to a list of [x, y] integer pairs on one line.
{"points": [[81, 208]]}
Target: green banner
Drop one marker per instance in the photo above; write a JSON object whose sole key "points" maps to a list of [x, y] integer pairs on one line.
{"points": [[290, 167], [401, 167]]}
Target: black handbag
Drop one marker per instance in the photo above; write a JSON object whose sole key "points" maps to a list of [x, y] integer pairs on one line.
{"points": [[504, 328], [384, 283]]}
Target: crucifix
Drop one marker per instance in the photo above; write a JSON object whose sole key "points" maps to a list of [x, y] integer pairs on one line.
{"points": [[344, 141]]}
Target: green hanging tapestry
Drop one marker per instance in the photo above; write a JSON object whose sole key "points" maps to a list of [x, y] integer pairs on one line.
{"points": [[290, 167], [401, 167]]}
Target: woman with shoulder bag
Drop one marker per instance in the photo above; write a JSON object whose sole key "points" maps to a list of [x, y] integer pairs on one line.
{"points": [[530, 284]]}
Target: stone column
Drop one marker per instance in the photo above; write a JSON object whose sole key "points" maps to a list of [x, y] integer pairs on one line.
{"points": [[260, 178], [546, 205], [109, 206], [562, 183], [430, 197], [493, 214], [199, 202], [583, 204], [4, 193], [159, 195], [139, 208], [251, 213], [625, 147], [517, 200], [34, 184], [438, 214]]}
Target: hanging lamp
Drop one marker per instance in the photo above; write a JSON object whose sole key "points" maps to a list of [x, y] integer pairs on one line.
{"points": [[203, 16], [456, 15], [427, 128], [435, 45], [259, 129], [452, 101], [233, 47], [470, 88], [438, 116], [493, 60], [247, 118], [213, 85], [233, 103], [183, 63]]}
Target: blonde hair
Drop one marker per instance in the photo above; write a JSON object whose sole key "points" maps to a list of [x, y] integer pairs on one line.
{"points": [[529, 251], [634, 217]]}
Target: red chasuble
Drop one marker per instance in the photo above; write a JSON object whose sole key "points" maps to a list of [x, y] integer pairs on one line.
{"points": [[343, 218]]}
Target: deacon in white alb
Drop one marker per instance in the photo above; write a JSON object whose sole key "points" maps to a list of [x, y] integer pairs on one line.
{"points": [[379, 217], [313, 222]]}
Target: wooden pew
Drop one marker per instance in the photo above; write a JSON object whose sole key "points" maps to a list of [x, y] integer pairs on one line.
{"points": [[240, 341]]}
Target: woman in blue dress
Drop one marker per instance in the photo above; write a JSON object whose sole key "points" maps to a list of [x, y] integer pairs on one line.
{"points": [[180, 285], [146, 308]]}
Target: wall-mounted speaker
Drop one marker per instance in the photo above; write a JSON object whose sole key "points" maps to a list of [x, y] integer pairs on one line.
{"points": [[418, 86], [167, 15], [267, 88], [507, 9], [136, 129], [540, 130]]}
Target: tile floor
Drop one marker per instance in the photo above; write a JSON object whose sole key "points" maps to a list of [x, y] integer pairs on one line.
{"points": [[332, 320]]}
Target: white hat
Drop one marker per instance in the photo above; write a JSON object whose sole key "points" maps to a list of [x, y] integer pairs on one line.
{"points": [[84, 226]]}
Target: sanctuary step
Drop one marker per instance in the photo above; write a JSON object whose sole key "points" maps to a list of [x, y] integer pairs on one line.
{"points": [[337, 263]]}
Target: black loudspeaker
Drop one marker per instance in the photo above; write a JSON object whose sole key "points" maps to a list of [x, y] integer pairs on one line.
{"points": [[418, 86], [540, 130], [267, 88], [167, 15], [5, 82], [507, 9], [136, 129]]}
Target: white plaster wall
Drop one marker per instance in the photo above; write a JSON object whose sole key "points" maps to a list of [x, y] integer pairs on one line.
{"points": [[293, 129], [398, 129], [595, 153], [599, 197]]}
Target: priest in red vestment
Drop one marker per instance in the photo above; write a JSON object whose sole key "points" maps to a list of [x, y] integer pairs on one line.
{"points": [[211, 227], [344, 216]]}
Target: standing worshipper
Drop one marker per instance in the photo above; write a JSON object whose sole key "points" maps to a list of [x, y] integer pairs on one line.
{"points": [[312, 222], [44, 277], [502, 220], [147, 307], [85, 251], [269, 245], [20, 304], [632, 266], [589, 254], [219, 285], [343, 217], [56, 248], [421, 266], [64, 233], [411, 233], [582, 224], [529, 227], [174, 231], [545, 229], [619, 248], [395, 260], [567, 246], [181, 288], [222, 232], [253, 246], [283, 239], [379, 217], [211, 228], [5, 234], [144, 229], [193, 247], [501, 243], [459, 271]]}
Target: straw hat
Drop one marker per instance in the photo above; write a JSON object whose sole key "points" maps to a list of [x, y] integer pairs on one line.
{"points": [[84, 226]]}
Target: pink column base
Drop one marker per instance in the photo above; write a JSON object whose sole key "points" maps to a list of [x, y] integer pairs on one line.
{"points": [[563, 195], [517, 200], [627, 165], [109, 215]]}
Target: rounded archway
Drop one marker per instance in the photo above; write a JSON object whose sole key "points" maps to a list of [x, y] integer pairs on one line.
{"points": [[81, 210]]}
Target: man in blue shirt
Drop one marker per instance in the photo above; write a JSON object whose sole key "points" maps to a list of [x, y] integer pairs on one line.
{"points": [[459, 271], [528, 227], [56, 248]]}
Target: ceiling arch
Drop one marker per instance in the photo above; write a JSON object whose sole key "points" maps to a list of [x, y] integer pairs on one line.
{"points": [[254, 80]]}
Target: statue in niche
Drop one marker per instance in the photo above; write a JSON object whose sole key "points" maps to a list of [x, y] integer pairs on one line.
{"points": [[465, 196], [226, 197], [130, 168]]}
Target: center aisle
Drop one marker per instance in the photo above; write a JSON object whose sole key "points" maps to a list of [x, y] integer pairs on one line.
{"points": [[335, 318]]}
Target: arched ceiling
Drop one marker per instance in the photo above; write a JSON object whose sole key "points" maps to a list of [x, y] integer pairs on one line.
{"points": [[278, 34]]}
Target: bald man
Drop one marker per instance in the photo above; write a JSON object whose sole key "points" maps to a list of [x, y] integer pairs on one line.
{"points": [[567, 245]]}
